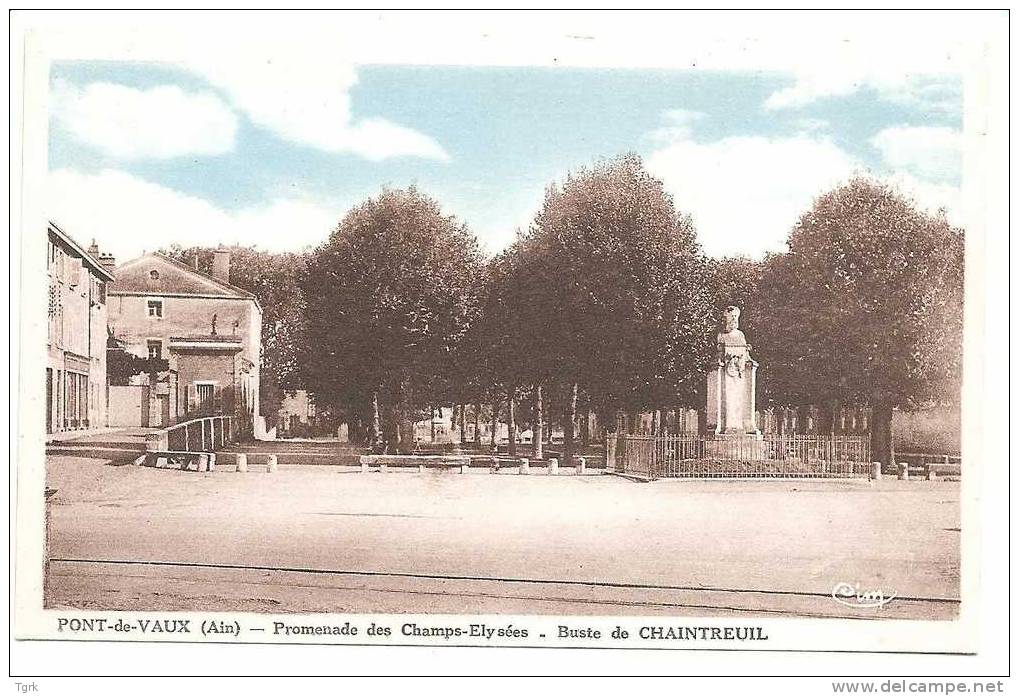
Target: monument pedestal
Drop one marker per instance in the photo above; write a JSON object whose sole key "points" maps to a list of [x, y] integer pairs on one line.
{"points": [[732, 404]]}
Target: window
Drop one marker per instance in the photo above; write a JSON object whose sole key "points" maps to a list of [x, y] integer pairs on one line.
{"points": [[205, 392], [155, 349], [154, 274], [155, 308]]}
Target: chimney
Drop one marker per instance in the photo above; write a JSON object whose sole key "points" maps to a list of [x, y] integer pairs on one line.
{"points": [[94, 249], [221, 264], [108, 262]]}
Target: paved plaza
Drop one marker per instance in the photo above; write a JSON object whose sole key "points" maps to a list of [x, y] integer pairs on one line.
{"points": [[327, 538]]}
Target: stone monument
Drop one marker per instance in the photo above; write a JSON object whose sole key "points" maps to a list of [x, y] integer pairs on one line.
{"points": [[732, 408]]}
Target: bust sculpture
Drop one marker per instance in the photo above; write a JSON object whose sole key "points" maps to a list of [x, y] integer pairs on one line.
{"points": [[733, 349]]}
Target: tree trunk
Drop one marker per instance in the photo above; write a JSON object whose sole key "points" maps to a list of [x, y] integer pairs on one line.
{"points": [[406, 428], [882, 443], [477, 424], [375, 432], [585, 432], [463, 424], [431, 411], [495, 424], [512, 423], [571, 419], [390, 429], [539, 424]]}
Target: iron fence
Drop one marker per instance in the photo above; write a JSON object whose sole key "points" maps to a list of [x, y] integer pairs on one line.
{"points": [[201, 434], [771, 456]]}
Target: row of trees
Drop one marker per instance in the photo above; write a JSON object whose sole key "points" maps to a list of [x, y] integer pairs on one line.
{"points": [[606, 304]]}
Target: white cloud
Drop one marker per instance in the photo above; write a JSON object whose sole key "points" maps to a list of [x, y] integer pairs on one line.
{"points": [[745, 193], [129, 216], [679, 125], [162, 122], [811, 125], [810, 87], [931, 93], [930, 152], [303, 96]]}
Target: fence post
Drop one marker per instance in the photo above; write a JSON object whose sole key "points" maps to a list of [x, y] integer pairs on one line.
{"points": [[187, 445]]}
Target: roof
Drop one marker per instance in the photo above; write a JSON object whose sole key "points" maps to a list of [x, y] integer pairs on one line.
{"points": [[208, 338], [86, 257], [135, 277], [205, 342]]}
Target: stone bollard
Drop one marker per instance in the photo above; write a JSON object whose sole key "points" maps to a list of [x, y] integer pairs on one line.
{"points": [[271, 465], [421, 468], [932, 474], [525, 466], [495, 466], [242, 463], [903, 471], [465, 468], [364, 464], [581, 466], [553, 466], [875, 471], [211, 464], [383, 468]]}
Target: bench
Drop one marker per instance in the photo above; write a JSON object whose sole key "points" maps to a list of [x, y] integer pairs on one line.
{"points": [[174, 459]]}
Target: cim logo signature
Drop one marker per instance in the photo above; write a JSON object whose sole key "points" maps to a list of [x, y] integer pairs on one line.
{"points": [[852, 596]]}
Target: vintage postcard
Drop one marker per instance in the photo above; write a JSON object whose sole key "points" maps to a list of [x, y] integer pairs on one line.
{"points": [[646, 331]]}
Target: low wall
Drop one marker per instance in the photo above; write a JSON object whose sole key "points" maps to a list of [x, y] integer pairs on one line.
{"points": [[128, 406], [412, 460]]}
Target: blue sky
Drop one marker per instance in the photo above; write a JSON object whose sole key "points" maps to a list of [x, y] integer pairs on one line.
{"points": [[203, 155]]}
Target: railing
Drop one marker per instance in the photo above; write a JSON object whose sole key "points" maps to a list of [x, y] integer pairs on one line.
{"points": [[772, 456], [198, 435]]}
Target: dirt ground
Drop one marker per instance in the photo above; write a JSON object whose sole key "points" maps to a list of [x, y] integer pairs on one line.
{"points": [[324, 538]]}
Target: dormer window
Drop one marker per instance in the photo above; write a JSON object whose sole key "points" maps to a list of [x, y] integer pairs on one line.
{"points": [[154, 274]]}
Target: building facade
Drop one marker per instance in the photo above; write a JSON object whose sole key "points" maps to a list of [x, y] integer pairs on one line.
{"points": [[297, 415], [76, 396], [207, 330]]}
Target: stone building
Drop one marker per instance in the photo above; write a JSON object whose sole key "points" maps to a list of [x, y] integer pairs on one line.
{"points": [[207, 330], [297, 414], [76, 335]]}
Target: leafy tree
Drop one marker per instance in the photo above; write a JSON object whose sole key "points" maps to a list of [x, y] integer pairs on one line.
{"points": [[872, 309], [394, 289], [627, 311]]}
